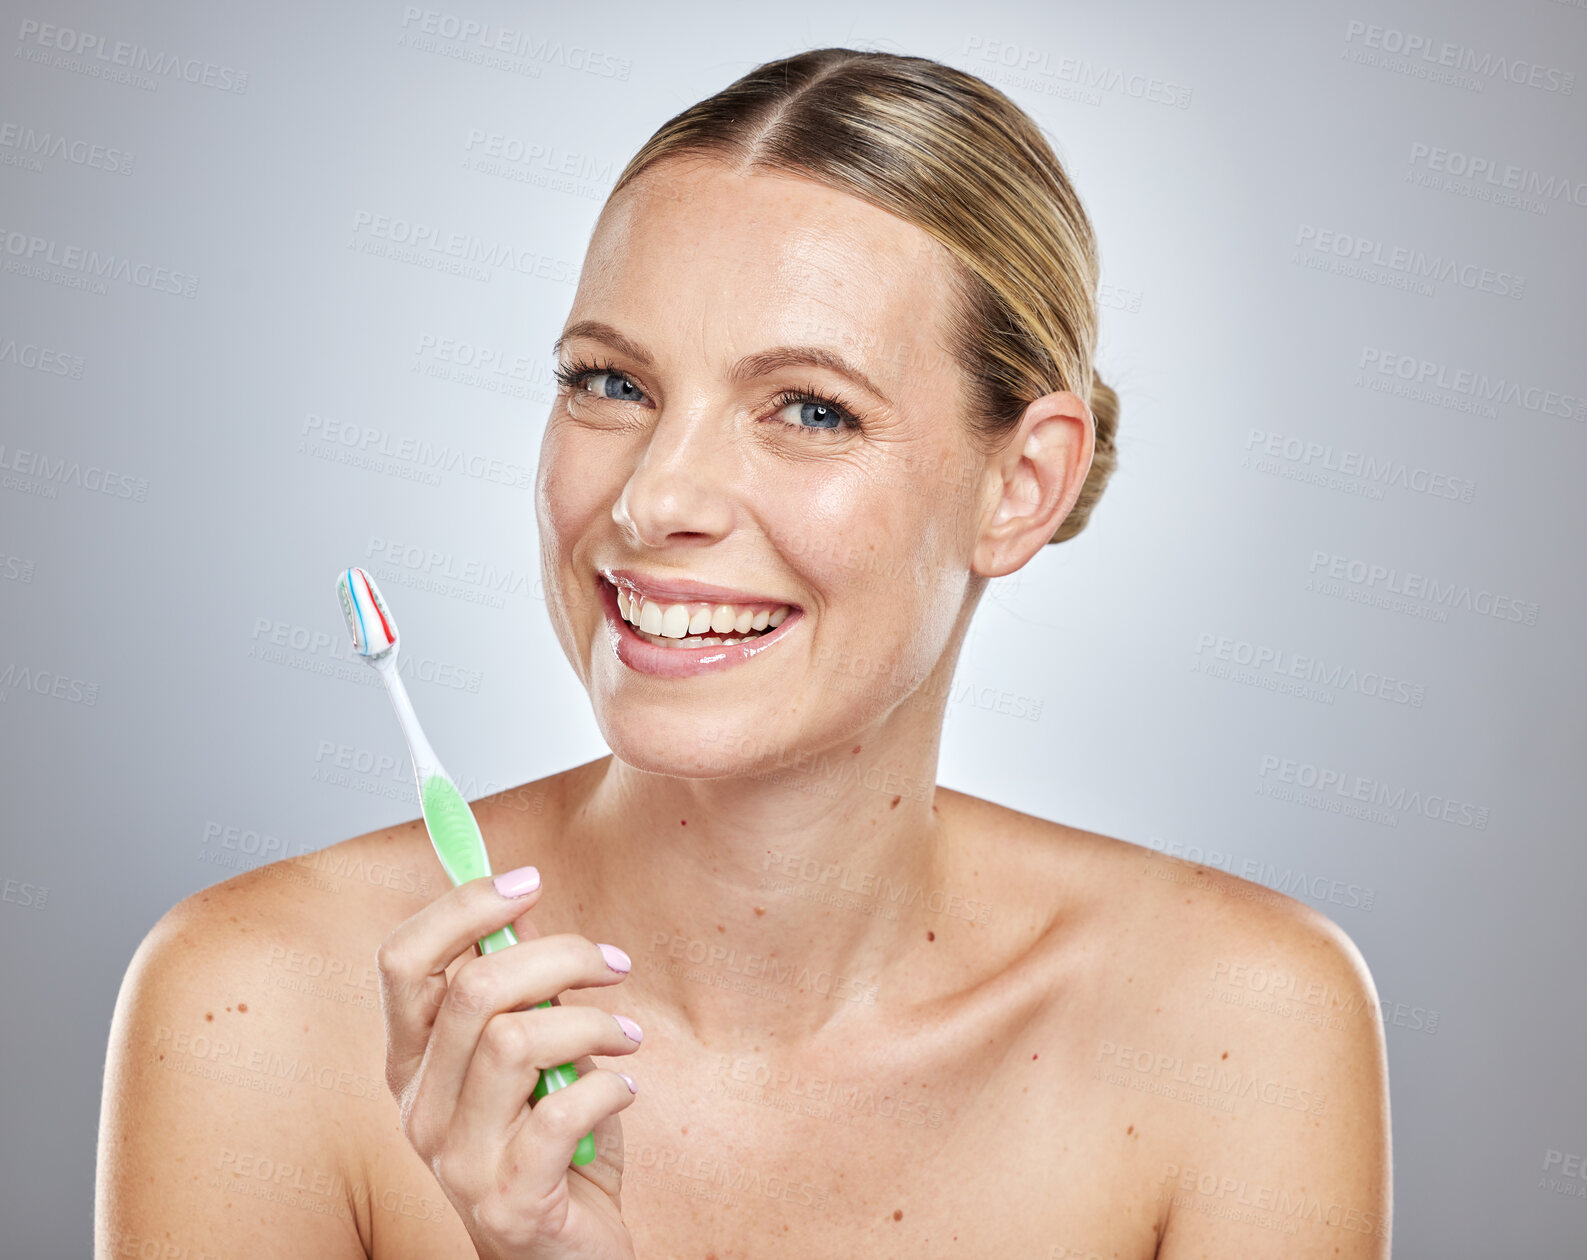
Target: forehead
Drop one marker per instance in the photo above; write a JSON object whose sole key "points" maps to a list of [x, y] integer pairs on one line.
{"points": [[696, 256]]}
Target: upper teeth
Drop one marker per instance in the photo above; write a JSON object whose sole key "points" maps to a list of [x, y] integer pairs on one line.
{"points": [[674, 621]]}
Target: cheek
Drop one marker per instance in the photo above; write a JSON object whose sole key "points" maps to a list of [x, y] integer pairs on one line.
{"points": [[875, 549], [568, 506], [822, 523], [567, 495], [867, 531]]}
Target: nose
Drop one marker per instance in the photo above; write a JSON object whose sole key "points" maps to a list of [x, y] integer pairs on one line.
{"points": [[680, 490]]}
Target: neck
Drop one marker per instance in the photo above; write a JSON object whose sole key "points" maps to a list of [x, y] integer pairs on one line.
{"points": [[773, 902]]}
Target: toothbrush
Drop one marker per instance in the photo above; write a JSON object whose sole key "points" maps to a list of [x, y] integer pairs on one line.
{"points": [[450, 822]]}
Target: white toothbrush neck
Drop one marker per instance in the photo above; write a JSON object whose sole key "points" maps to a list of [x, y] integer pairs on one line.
{"points": [[425, 762]]}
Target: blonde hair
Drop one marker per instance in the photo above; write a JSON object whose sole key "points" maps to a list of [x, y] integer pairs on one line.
{"points": [[952, 155]]}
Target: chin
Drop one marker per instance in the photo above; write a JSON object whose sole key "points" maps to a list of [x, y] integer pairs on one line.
{"points": [[680, 744]]}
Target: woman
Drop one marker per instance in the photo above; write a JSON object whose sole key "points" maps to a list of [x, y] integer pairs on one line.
{"points": [[827, 371]]}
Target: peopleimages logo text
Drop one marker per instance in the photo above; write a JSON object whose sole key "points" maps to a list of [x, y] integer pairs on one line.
{"points": [[40, 251], [1434, 374], [1389, 580], [1377, 470], [1365, 251], [426, 238], [499, 39], [129, 56], [1408, 44], [1357, 787], [30, 144]]}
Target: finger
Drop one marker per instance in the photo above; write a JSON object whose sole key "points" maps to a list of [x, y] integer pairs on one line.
{"points": [[514, 1048], [510, 980], [413, 960], [540, 1153], [522, 928]]}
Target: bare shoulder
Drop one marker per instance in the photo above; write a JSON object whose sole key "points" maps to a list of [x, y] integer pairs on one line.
{"points": [[245, 1108], [244, 1067], [1242, 1022], [1253, 1018], [1171, 917], [1270, 1030]]}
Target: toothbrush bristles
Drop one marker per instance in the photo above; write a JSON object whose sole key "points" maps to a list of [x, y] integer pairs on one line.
{"points": [[369, 622]]}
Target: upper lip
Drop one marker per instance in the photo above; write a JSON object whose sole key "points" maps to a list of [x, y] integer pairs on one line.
{"points": [[683, 591]]}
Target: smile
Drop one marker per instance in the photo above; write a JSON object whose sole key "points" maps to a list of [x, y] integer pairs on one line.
{"points": [[681, 637]]}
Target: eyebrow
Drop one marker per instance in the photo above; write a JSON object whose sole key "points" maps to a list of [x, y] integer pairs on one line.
{"points": [[750, 366]]}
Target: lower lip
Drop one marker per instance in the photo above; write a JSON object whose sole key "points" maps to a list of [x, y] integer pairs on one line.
{"points": [[644, 656]]}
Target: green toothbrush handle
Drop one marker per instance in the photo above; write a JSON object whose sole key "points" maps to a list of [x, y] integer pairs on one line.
{"points": [[550, 1078], [461, 848]]}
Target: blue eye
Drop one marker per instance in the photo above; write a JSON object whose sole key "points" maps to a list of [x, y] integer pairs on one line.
{"points": [[822, 414], [624, 391], [574, 375], [814, 413], [817, 412]]}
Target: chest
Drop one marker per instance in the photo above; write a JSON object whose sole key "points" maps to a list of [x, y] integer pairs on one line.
{"points": [[728, 1156]]}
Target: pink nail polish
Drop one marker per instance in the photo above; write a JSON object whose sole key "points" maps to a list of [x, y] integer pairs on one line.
{"points": [[630, 1029], [632, 1088], [615, 958], [517, 883]]}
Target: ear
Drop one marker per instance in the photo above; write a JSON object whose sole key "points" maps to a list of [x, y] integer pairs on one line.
{"points": [[1043, 467]]}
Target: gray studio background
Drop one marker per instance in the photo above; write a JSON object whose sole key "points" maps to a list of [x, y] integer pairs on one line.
{"points": [[1343, 261]]}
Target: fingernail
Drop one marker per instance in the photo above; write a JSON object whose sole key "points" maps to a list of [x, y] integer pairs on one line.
{"points": [[630, 1029], [615, 958], [632, 1088], [518, 883]]}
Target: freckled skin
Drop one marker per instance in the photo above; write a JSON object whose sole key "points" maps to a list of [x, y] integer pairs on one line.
{"points": [[678, 469], [696, 480], [667, 842]]}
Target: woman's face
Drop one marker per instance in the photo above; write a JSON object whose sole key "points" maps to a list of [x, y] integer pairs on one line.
{"points": [[682, 450]]}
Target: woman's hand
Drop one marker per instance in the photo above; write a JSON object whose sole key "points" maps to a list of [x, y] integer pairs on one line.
{"points": [[463, 1057]]}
